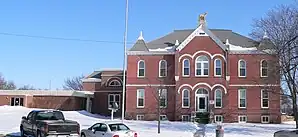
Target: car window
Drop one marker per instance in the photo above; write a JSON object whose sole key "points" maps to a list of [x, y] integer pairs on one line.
{"points": [[118, 127], [30, 115], [50, 115], [95, 127], [103, 128]]}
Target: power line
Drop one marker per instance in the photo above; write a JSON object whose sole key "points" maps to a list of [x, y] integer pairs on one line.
{"points": [[70, 39]]}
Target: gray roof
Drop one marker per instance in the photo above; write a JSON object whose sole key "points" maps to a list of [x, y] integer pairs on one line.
{"points": [[181, 35]]}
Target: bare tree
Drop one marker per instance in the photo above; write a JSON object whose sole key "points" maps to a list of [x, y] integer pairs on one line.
{"points": [[73, 83], [26, 87], [6, 85], [281, 27]]}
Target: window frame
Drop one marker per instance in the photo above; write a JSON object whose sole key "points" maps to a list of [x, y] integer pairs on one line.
{"points": [[138, 117], [188, 98], [14, 99], [221, 117], [202, 66], [160, 117], [239, 98], [216, 98], [114, 81], [243, 116], [138, 90], [183, 67], [262, 105], [114, 97], [215, 67], [159, 68], [261, 68], [265, 122], [138, 73], [166, 97], [239, 68], [182, 118]]}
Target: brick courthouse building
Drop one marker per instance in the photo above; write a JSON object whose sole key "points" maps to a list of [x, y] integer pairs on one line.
{"points": [[216, 71]]}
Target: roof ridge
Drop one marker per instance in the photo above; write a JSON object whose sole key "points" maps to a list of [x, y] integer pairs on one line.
{"points": [[175, 30]]}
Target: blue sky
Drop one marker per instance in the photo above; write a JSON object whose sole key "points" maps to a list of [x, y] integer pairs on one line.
{"points": [[38, 61]]}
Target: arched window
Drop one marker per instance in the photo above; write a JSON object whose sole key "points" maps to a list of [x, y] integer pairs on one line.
{"points": [[162, 68], [241, 68], [202, 66], [217, 67], [186, 67], [264, 68], [141, 68], [218, 98], [114, 83], [185, 98], [202, 91]]}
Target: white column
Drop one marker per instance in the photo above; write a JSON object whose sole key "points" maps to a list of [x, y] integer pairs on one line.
{"points": [[88, 104]]}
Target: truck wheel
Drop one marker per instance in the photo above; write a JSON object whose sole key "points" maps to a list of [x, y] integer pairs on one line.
{"points": [[83, 135]]}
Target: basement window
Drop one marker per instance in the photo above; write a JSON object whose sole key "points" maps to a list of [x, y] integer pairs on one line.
{"points": [[218, 118], [242, 119], [163, 118], [185, 118], [265, 119], [140, 117]]}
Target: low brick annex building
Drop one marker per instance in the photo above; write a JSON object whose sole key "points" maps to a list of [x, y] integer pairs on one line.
{"points": [[203, 70]]}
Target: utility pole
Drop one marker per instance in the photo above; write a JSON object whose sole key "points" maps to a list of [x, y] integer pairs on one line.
{"points": [[124, 62], [158, 111]]}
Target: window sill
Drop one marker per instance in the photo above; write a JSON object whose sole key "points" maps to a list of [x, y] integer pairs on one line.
{"points": [[217, 107], [202, 76], [243, 108], [141, 77], [241, 76], [140, 107], [162, 107], [217, 76], [263, 76], [265, 108], [185, 76], [185, 107]]}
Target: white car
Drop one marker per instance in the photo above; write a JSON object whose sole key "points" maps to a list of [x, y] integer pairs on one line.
{"points": [[108, 129]]}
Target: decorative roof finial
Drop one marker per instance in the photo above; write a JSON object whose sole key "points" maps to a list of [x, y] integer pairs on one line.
{"points": [[141, 36], [176, 42], [265, 35], [202, 18]]}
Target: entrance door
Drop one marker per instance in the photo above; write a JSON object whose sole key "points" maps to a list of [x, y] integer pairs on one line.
{"points": [[202, 100]]}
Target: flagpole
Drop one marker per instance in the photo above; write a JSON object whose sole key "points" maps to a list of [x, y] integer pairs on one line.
{"points": [[124, 63]]}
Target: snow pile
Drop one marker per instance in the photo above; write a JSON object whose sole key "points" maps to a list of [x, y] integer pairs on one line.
{"points": [[10, 118], [168, 49], [239, 48]]}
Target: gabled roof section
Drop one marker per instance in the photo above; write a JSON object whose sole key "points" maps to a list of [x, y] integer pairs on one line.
{"points": [[140, 45], [202, 30]]}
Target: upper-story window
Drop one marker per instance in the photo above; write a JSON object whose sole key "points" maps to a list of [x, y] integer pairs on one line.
{"points": [[186, 67], [162, 68], [218, 98], [114, 83], [241, 68], [217, 67], [141, 68], [202, 66], [264, 68]]}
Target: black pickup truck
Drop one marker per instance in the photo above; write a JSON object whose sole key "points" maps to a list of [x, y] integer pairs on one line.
{"points": [[43, 123]]}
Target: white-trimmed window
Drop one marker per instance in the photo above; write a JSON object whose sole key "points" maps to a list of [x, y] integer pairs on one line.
{"points": [[242, 98], [162, 68], [264, 68], [218, 98], [114, 83], [141, 68], [185, 98], [186, 67], [264, 98], [241, 68], [140, 98], [114, 98], [217, 67], [185, 118], [242, 119], [163, 94], [218, 118], [202, 66], [265, 119], [140, 117], [163, 117]]}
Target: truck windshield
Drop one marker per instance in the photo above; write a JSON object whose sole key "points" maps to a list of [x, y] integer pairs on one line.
{"points": [[118, 127], [49, 115]]}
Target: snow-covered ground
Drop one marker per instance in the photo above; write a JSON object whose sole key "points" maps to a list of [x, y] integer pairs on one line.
{"points": [[10, 118]]}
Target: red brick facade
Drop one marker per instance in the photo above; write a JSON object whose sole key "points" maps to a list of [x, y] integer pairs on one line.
{"points": [[205, 45]]}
